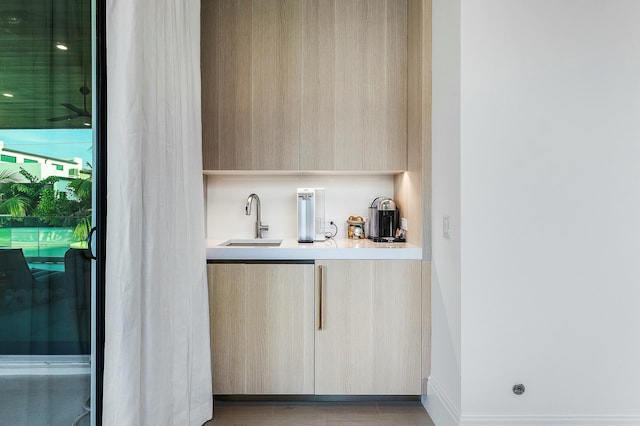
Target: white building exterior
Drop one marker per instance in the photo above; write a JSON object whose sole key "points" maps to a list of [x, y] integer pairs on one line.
{"points": [[41, 167]]}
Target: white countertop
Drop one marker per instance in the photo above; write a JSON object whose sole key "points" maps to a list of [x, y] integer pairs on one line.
{"points": [[290, 249]]}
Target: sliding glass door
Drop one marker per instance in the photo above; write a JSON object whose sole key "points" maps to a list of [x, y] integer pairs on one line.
{"points": [[49, 164]]}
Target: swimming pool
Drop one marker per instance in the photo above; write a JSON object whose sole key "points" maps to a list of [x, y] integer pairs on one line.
{"points": [[43, 247]]}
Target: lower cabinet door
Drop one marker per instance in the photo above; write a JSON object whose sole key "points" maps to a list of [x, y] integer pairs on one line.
{"points": [[227, 312], [262, 339], [368, 333]]}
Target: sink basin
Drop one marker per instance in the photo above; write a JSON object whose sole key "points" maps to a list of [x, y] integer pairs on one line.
{"points": [[252, 242]]}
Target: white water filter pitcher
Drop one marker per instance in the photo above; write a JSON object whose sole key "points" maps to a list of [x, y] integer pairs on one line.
{"points": [[310, 215]]}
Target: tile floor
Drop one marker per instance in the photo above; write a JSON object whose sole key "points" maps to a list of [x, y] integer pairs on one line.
{"points": [[398, 413], [43, 400], [57, 400]]}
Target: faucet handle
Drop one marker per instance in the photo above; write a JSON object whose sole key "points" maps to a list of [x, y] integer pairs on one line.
{"points": [[261, 228]]}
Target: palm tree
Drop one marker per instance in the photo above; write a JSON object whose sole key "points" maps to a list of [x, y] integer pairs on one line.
{"points": [[36, 197], [81, 190], [10, 203]]}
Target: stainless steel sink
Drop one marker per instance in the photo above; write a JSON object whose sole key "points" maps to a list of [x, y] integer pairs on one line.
{"points": [[252, 242]]}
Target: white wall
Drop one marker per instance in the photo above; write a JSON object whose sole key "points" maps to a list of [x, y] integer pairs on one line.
{"points": [[227, 196], [550, 190], [444, 389]]}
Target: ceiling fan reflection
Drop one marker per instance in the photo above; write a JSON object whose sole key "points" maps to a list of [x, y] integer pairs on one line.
{"points": [[78, 112]]}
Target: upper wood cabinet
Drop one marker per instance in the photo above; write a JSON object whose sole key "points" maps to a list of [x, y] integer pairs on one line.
{"points": [[276, 64], [304, 85], [370, 85], [226, 84]]}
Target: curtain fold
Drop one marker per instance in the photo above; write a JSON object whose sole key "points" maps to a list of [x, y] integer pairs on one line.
{"points": [[157, 357]]}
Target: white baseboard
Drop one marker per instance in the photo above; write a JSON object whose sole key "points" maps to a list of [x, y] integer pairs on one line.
{"points": [[44, 365], [549, 420], [443, 412], [542, 420], [441, 409]]}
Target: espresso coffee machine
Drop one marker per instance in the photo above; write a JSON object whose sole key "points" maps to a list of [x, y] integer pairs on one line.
{"points": [[388, 219]]}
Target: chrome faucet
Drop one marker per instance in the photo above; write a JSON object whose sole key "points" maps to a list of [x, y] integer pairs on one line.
{"points": [[247, 210]]}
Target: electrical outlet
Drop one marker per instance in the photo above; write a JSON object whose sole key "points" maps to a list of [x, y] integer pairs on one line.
{"points": [[446, 228], [404, 223]]}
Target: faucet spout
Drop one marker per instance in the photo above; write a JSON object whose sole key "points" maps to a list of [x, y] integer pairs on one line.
{"points": [[247, 207], [247, 210]]}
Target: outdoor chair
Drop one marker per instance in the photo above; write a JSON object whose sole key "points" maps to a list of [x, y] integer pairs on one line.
{"points": [[44, 312], [77, 270], [20, 288]]}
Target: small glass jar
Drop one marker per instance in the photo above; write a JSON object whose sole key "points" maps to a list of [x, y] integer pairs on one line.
{"points": [[355, 229]]}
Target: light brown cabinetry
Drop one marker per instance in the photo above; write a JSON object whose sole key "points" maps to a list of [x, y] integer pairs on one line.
{"points": [[370, 85], [304, 85], [262, 328], [227, 99], [317, 138], [365, 340], [276, 83], [368, 336]]}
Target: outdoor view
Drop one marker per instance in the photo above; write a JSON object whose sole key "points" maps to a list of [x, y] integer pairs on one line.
{"points": [[45, 219], [45, 193]]}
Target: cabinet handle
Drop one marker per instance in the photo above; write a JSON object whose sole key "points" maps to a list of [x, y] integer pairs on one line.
{"points": [[321, 283]]}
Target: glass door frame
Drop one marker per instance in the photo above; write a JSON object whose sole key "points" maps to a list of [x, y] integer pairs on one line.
{"points": [[100, 203]]}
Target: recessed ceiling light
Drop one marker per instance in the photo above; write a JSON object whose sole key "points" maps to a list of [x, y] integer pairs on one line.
{"points": [[62, 46], [7, 95], [87, 124]]}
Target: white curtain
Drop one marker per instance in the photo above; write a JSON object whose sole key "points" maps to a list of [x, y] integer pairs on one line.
{"points": [[157, 360]]}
